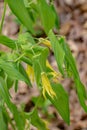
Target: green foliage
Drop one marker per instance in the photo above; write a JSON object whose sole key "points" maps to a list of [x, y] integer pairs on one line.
{"points": [[61, 102], [71, 62], [36, 120], [58, 51], [3, 124], [18, 8], [47, 15], [28, 50], [11, 70], [7, 42]]}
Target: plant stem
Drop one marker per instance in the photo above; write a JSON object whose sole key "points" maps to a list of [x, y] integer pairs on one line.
{"points": [[36, 106], [19, 57], [3, 16]]}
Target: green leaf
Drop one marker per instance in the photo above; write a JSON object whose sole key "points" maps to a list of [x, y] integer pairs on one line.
{"points": [[3, 125], [39, 64], [10, 82], [57, 21], [25, 38], [37, 70], [26, 60], [16, 85], [12, 71], [82, 95], [19, 118], [61, 102], [7, 42], [47, 15], [7, 118], [4, 93], [43, 57], [58, 51], [23, 72], [69, 58], [37, 122], [19, 9]]}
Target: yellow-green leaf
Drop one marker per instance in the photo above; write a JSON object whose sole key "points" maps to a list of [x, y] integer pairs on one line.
{"points": [[19, 9]]}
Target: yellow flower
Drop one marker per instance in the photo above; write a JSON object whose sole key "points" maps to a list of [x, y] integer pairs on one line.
{"points": [[45, 42], [56, 76], [46, 85], [30, 73], [48, 65], [27, 124], [46, 124]]}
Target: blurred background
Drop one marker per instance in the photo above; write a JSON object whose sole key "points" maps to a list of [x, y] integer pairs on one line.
{"points": [[73, 24]]}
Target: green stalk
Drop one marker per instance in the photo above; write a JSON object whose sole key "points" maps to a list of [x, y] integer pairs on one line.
{"points": [[3, 16]]}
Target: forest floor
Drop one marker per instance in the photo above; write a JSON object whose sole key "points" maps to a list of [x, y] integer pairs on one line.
{"points": [[73, 25]]}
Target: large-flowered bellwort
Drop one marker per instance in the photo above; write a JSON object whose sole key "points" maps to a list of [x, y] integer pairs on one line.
{"points": [[47, 86]]}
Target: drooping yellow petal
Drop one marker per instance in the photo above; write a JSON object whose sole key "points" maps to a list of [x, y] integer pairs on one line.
{"points": [[56, 76], [46, 123], [48, 65], [45, 42], [27, 125], [30, 73], [47, 86]]}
